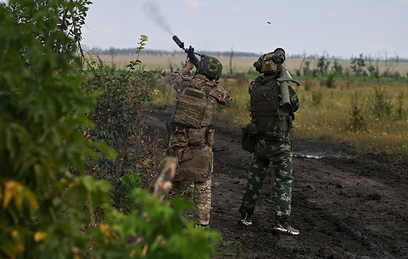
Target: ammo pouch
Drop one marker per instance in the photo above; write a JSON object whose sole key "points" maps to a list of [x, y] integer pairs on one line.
{"points": [[198, 168], [275, 130], [182, 153], [197, 137], [248, 138], [178, 139], [179, 136]]}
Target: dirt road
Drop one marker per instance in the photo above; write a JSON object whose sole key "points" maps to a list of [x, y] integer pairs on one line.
{"points": [[345, 205]]}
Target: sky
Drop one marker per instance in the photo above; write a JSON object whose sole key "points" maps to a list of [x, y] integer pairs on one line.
{"points": [[340, 28]]}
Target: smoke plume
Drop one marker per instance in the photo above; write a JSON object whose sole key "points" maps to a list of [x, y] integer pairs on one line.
{"points": [[153, 12]]}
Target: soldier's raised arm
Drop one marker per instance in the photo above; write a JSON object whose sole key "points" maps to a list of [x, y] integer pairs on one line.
{"points": [[178, 78]]}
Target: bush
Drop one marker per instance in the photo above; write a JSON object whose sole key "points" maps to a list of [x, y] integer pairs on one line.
{"points": [[118, 117], [330, 80], [357, 121], [379, 104], [317, 96], [46, 211]]}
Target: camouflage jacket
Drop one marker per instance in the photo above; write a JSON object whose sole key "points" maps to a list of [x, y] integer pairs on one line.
{"points": [[196, 158], [180, 80]]}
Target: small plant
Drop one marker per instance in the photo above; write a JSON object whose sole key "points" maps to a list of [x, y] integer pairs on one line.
{"points": [[330, 80], [379, 104], [128, 184], [357, 121], [317, 97], [400, 112], [239, 244], [308, 81]]}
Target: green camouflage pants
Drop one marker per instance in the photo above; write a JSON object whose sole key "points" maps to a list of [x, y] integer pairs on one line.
{"points": [[279, 152], [202, 199]]}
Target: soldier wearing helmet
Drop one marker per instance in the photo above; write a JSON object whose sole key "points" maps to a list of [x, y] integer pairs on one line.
{"points": [[268, 137], [191, 133]]}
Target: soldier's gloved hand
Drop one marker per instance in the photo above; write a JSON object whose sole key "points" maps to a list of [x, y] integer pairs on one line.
{"points": [[279, 56]]}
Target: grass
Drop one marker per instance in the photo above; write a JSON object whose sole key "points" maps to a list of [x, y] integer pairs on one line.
{"points": [[333, 119], [364, 112], [348, 113], [239, 64]]}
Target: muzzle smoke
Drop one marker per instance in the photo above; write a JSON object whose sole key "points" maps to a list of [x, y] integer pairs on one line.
{"points": [[153, 12]]}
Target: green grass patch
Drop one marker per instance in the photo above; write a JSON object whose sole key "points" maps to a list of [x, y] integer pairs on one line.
{"points": [[369, 115]]}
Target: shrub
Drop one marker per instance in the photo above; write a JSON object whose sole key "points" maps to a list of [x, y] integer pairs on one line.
{"points": [[46, 211], [330, 80], [118, 116], [317, 96], [379, 104], [357, 121]]}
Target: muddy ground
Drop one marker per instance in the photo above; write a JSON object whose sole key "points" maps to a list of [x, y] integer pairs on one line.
{"points": [[346, 205]]}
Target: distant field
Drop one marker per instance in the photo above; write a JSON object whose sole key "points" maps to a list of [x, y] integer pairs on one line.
{"points": [[239, 64]]}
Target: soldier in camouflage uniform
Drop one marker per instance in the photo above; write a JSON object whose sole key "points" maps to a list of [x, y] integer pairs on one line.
{"points": [[270, 129], [190, 133]]}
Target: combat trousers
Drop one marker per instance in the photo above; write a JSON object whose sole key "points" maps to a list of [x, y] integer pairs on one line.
{"points": [[279, 152], [202, 199]]}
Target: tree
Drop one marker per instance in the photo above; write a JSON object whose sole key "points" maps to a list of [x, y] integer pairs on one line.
{"points": [[337, 68], [357, 65], [231, 55], [323, 65], [112, 53], [306, 68]]}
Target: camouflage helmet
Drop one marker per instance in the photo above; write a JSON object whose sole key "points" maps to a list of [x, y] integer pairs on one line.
{"points": [[210, 67], [269, 62]]}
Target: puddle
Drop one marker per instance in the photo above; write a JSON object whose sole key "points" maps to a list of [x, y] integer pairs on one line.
{"points": [[316, 155]]}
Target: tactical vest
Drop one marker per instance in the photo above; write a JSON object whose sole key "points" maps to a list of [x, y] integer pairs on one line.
{"points": [[193, 107], [270, 121]]}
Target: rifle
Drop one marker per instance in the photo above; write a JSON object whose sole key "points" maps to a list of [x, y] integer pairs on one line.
{"points": [[190, 51]]}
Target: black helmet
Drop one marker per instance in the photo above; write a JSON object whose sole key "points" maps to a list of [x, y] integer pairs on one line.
{"points": [[210, 67]]}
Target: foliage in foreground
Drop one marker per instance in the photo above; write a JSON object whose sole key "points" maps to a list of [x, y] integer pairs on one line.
{"points": [[45, 211], [118, 116]]}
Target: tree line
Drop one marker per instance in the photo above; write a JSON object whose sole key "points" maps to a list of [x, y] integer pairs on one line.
{"points": [[156, 52]]}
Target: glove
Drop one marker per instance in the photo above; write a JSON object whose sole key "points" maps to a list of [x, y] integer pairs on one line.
{"points": [[279, 56]]}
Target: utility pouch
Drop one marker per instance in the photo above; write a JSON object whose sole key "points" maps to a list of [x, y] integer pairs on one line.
{"points": [[210, 136], [178, 139], [248, 140], [196, 137], [182, 153], [275, 130], [196, 169]]}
